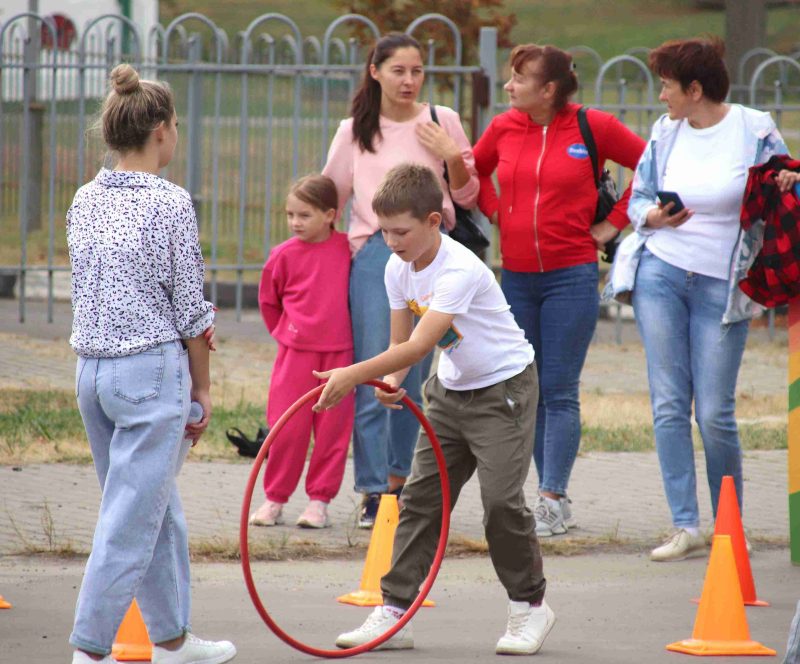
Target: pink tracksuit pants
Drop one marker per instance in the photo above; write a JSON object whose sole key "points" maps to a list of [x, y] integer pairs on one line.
{"points": [[291, 379]]}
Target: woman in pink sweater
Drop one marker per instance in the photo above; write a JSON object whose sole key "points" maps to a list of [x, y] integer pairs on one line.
{"points": [[389, 127], [303, 300]]}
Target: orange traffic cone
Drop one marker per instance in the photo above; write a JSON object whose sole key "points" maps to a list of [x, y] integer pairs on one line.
{"points": [[729, 522], [132, 643], [720, 627], [4, 604], [379, 556]]}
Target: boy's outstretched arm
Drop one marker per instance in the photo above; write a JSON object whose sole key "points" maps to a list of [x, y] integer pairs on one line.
{"points": [[431, 328]]}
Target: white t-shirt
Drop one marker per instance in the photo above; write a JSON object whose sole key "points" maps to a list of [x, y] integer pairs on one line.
{"points": [[484, 345], [706, 168]]}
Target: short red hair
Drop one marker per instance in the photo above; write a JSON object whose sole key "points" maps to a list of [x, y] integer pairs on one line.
{"points": [[687, 60]]}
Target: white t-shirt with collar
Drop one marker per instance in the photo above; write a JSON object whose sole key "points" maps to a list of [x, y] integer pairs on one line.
{"points": [[484, 345]]}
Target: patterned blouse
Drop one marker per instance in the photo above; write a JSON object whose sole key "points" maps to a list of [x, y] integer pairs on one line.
{"points": [[137, 269]]}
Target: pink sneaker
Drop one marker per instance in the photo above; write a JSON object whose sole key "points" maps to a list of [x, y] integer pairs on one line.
{"points": [[269, 514], [315, 515]]}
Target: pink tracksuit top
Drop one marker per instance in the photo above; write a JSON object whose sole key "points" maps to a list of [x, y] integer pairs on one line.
{"points": [[303, 294]]}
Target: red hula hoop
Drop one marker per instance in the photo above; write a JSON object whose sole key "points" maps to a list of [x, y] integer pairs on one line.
{"points": [[437, 560]]}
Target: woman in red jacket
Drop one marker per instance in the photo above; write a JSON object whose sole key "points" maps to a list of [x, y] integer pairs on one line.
{"points": [[549, 246]]}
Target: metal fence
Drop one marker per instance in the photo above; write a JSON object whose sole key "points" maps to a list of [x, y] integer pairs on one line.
{"points": [[257, 110]]}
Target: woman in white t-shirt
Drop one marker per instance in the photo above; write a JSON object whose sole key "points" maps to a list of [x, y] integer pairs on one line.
{"points": [[692, 319]]}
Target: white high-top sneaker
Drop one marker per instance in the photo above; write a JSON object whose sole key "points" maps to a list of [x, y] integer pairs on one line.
{"points": [[378, 622], [528, 626]]}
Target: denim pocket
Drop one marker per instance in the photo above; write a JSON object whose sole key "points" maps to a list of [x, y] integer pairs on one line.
{"points": [[138, 377]]}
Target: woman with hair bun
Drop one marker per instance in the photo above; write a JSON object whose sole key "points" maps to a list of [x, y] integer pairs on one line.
{"points": [[389, 127], [545, 209], [142, 331]]}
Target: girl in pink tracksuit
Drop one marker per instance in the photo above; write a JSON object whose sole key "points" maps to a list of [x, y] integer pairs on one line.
{"points": [[303, 301]]}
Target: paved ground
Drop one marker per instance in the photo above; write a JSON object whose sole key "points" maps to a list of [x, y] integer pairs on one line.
{"points": [[617, 497], [614, 606], [611, 609]]}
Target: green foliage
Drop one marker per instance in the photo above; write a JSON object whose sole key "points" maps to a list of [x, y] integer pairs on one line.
{"points": [[469, 15]]}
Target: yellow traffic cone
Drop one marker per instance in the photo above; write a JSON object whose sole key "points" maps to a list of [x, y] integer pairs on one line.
{"points": [[720, 627], [379, 556], [4, 604], [132, 643]]}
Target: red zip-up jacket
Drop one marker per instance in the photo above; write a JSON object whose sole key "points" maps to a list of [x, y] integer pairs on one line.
{"points": [[547, 191]]}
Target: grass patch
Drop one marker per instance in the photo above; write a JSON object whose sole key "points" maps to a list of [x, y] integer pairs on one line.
{"points": [[640, 438], [46, 427]]}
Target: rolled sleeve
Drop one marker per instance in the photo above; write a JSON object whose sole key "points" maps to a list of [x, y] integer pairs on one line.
{"points": [[193, 314]]}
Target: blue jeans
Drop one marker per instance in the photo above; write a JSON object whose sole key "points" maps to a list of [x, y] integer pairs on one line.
{"points": [[383, 439], [135, 409], [690, 354], [557, 311]]}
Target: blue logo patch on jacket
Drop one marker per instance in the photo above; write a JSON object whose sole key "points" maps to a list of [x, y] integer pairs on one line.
{"points": [[578, 151]]}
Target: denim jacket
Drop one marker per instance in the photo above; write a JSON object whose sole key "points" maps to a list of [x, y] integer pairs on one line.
{"points": [[762, 141]]}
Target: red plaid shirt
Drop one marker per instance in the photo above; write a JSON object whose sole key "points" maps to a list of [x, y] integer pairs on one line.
{"points": [[774, 277]]}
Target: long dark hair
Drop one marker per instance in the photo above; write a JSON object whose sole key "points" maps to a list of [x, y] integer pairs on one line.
{"points": [[366, 106]]}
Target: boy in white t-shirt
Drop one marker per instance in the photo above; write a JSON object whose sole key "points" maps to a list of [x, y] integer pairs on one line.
{"points": [[481, 403]]}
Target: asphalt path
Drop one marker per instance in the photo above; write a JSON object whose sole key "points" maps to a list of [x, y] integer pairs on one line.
{"points": [[611, 609]]}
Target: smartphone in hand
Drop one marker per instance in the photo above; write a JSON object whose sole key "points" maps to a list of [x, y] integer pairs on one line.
{"points": [[671, 197]]}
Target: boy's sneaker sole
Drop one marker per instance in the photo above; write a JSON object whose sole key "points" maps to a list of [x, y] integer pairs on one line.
{"points": [[405, 643]]}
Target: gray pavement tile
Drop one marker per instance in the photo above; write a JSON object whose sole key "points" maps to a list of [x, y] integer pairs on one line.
{"points": [[617, 497]]}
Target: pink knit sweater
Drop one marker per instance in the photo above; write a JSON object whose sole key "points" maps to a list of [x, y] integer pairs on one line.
{"points": [[358, 173]]}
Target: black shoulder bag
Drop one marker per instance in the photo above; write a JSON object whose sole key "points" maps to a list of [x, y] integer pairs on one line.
{"points": [[607, 195], [466, 231]]}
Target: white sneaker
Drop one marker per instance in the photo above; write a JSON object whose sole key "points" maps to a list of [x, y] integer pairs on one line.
{"points": [[549, 518], [378, 622], [679, 546], [315, 515], [80, 657], [269, 514], [566, 510], [195, 651], [528, 626]]}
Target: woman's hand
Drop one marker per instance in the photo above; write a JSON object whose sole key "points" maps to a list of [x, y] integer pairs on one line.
{"points": [[390, 399], [194, 431], [660, 217], [437, 141], [211, 337], [602, 233], [341, 382], [787, 179]]}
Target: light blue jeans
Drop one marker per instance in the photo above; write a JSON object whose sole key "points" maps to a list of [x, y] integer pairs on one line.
{"points": [[690, 355], [135, 409], [793, 645], [383, 439], [557, 311]]}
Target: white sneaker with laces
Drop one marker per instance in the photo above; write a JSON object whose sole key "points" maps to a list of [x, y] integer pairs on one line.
{"points": [[528, 626], [549, 518], [315, 515], [378, 622], [80, 657], [679, 546], [195, 651]]}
